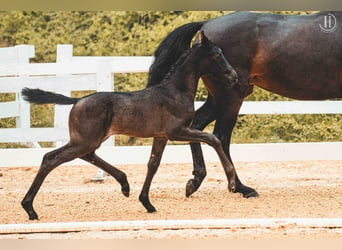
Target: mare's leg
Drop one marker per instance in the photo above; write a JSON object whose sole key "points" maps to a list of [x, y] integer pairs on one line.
{"points": [[227, 106], [227, 114], [50, 161], [152, 166], [193, 135], [113, 171], [223, 130], [203, 116]]}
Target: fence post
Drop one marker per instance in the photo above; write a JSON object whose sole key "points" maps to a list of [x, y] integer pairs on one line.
{"points": [[104, 82], [23, 55], [64, 55]]}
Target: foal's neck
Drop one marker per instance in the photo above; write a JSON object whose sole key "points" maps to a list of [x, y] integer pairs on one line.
{"points": [[186, 75]]}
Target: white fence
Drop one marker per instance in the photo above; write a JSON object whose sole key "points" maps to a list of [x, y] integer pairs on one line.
{"points": [[68, 74], [73, 73]]}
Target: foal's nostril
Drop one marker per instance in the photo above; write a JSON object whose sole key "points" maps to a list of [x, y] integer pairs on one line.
{"points": [[234, 76]]}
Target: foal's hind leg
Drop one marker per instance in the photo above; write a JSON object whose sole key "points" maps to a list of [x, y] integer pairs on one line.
{"points": [[114, 172], [50, 161], [153, 164]]}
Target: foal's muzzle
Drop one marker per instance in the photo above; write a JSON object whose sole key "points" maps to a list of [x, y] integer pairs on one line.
{"points": [[232, 77]]}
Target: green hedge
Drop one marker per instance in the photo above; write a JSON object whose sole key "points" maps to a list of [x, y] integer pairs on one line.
{"points": [[133, 33]]}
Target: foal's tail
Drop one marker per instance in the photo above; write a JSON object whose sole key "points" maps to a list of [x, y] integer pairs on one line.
{"points": [[39, 96], [170, 49]]}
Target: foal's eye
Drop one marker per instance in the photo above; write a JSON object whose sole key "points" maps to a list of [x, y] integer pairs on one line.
{"points": [[217, 56]]}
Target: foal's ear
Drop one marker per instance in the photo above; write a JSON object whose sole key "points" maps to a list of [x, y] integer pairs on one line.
{"points": [[202, 38]]}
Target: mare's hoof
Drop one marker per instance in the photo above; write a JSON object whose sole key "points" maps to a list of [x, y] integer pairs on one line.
{"points": [[246, 192], [252, 194]]}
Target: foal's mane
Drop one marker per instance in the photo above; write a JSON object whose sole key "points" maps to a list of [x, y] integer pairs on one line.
{"points": [[178, 63], [170, 50]]}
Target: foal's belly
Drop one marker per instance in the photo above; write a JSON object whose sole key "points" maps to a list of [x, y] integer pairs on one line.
{"points": [[139, 122], [136, 130]]}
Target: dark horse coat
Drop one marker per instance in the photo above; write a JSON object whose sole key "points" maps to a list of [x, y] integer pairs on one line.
{"points": [[294, 56], [164, 112]]}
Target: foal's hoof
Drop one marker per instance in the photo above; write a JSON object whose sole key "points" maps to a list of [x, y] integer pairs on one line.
{"points": [[125, 190], [149, 207], [32, 215], [232, 187], [33, 218], [151, 210], [29, 210], [191, 187], [146, 203]]}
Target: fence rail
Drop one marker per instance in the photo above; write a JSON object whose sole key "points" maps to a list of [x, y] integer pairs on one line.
{"points": [[74, 73], [61, 134]]}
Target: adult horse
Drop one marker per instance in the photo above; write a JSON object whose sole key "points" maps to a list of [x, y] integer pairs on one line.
{"points": [[295, 56], [164, 112]]}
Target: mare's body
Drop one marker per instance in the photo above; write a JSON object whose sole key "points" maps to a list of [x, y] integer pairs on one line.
{"points": [[286, 54]]}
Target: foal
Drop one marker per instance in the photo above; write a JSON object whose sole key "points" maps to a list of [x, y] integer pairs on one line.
{"points": [[164, 112]]}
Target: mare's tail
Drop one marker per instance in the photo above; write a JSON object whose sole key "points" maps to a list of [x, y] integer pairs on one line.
{"points": [[39, 96], [170, 49]]}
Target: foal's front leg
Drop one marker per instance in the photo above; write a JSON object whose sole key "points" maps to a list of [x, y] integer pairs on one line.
{"points": [[193, 135], [203, 116], [158, 147]]}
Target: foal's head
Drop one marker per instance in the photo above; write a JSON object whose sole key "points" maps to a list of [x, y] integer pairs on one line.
{"points": [[212, 61]]}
